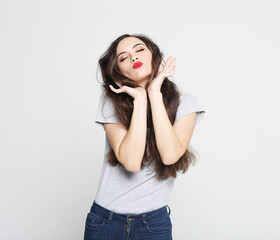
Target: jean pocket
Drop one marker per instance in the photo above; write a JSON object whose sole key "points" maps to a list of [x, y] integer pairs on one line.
{"points": [[159, 225], [94, 221]]}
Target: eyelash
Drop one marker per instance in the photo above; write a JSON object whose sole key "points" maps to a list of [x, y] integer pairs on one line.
{"points": [[136, 51]]}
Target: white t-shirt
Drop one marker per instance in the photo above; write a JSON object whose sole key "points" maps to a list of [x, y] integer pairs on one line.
{"points": [[126, 192]]}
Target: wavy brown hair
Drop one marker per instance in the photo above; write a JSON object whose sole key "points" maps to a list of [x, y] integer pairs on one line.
{"points": [[123, 104]]}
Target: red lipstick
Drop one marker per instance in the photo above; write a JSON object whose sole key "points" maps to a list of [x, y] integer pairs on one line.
{"points": [[137, 65]]}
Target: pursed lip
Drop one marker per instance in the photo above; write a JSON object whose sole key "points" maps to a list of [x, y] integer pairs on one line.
{"points": [[137, 65]]}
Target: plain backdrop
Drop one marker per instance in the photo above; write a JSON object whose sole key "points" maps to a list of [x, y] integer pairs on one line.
{"points": [[227, 55]]}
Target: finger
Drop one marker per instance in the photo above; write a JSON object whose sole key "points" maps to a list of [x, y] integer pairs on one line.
{"points": [[172, 63], [172, 71], [127, 89], [116, 90], [170, 68], [169, 63]]}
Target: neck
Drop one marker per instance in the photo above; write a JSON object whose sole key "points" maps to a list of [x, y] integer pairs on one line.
{"points": [[142, 83]]}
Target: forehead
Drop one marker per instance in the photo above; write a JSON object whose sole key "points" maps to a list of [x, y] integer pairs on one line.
{"points": [[127, 43]]}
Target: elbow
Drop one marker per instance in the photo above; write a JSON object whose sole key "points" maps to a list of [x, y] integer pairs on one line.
{"points": [[127, 164], [135, 170], [168, 161], [130, 164], [132, 168], [171, 159]]}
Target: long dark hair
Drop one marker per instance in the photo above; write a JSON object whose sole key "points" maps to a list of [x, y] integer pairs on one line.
{"points": [[123, 104]]}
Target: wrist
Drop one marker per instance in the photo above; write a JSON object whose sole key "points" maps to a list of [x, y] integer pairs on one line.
{"points": [[155, 85], [140, 99], [154, 93]]}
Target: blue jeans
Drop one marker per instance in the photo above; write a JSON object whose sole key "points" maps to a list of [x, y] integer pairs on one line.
{"points": [[101, 224]]}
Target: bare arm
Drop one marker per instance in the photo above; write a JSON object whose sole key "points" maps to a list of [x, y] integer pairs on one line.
{"points": [[171, 141], [129, 145], [132, 147]]}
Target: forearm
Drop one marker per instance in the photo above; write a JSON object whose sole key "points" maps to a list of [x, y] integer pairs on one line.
{"points": [[167, 141], [132, 147]]}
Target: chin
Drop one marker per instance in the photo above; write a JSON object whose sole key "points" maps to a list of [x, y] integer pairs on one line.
{"points": [[140, 79]]}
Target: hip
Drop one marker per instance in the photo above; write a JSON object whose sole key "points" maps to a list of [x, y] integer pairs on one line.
{"points": [[102, 223]]}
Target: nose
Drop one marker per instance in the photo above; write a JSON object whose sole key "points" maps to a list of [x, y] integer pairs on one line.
{"points": [[133, 59]]}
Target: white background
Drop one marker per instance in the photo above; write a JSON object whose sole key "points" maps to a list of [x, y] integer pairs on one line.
{"points": [[51, 151]]}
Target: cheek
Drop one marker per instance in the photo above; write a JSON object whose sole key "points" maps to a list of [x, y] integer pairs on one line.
{"points": [[123, 68], [149, 58]]}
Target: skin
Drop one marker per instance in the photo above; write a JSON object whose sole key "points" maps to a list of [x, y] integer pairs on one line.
{"points": [[132, 55], [140, 75], [171, 140]]}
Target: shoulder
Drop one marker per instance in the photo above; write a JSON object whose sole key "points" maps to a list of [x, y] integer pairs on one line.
{"points": [[105, 103], [188, 99], [106, 110], [189, 104], [186, 96]]}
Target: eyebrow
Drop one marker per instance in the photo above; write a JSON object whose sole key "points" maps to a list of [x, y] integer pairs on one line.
{"points": [[132, 47]]}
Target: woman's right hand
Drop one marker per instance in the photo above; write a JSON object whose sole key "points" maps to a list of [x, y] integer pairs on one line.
{"points": [[136, 93]]}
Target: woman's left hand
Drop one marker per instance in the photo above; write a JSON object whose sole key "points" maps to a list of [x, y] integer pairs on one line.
{"points": [[163, 72]]}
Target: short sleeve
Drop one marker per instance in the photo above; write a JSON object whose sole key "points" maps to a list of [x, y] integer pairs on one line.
{"points": [[189, 104], [105, 112]]}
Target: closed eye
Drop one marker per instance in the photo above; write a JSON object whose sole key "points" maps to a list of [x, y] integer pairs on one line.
{"points": [[136, 51]]}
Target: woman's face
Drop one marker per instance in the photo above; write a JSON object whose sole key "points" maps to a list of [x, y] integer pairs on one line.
{"points": [[132, 50]]}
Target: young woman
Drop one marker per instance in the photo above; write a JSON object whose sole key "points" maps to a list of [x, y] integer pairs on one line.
{"points": [[148, 125]]}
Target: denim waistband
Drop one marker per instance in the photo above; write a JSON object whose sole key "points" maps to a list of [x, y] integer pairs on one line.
{"points": [[96, 208]]}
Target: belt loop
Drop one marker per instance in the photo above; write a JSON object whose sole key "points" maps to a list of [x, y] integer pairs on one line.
{"points": [[169, 210], [144, 218], [110, 217]]}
